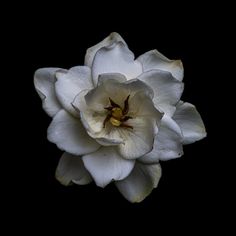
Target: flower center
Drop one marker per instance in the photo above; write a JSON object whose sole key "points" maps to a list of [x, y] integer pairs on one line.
{"points": [[116, 115]]}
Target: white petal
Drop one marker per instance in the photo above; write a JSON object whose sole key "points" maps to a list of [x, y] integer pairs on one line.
{"points": [[190, 122], [141, 105], [70, 83], [155, 60], [110, 85], [140, 183], [109, 136], [116, 58], [167, 144], [71, 169], [145, 120], [167, 89], [69, 134], [111, 39], [106, 165], [44, 80], [116, 87], [139, 140]]}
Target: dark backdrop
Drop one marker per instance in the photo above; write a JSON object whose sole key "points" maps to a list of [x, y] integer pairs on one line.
{"points": [[58, 36]]}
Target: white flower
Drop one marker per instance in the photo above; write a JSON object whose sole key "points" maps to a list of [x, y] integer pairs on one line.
{"points": [[117, 117]]}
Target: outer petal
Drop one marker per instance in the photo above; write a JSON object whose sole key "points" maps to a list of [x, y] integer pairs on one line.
{"points": [[106, 165], [139, 184], [71, 169], [44, 80], [167, 144], [116, 58], [70, 83], [190, 122], [155, 60], [167, 89], [69, 134], [111, 39]]}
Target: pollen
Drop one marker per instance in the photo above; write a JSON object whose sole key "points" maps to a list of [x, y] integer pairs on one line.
{"points": [[117, 113], [115, 122]]}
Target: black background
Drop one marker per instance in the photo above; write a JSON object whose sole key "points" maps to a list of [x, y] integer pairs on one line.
{"points": [[58, 36]]}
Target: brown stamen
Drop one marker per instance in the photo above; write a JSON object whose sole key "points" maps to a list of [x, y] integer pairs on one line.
{"points": [[108, 108], [126, 105], [113, 104]]}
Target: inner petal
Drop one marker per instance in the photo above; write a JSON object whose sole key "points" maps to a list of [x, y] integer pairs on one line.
{"points": [[109, 109]]}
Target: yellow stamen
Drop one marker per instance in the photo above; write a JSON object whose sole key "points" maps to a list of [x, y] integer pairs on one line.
{"points": [[115, 122], [117, 113]]}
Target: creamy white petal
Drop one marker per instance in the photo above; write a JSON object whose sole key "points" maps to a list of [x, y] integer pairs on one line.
{"points": [[116, 87], [141, 105], [190, 122], [69, 134], [167, 89], [139, 140], [44, 82], [145, 120], [71, 169], [106, 165], [140, 183], [93, 121], [167, 144], [155, 60], [109, 136], [70, 83], [92, 103], [111, 39], [116, 58], [109, 85]]}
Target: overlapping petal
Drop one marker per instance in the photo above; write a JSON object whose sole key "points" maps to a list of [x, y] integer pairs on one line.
{"points": [[155, 60], [115, 58], [167, 144], [190, 122], [106, 165], [44, 82], [69, 135], [167, 89], [70, 83], [71, 169], [139, 184], [113, 38]]}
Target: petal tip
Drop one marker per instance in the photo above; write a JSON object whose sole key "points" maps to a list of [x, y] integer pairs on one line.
{"points": [[61, 180]]}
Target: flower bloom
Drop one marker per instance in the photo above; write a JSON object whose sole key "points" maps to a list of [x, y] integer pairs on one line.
{"points": [[117, 117]]}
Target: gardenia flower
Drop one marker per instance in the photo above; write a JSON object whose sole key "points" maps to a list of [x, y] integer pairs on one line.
{"points": [[117, 117]]}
